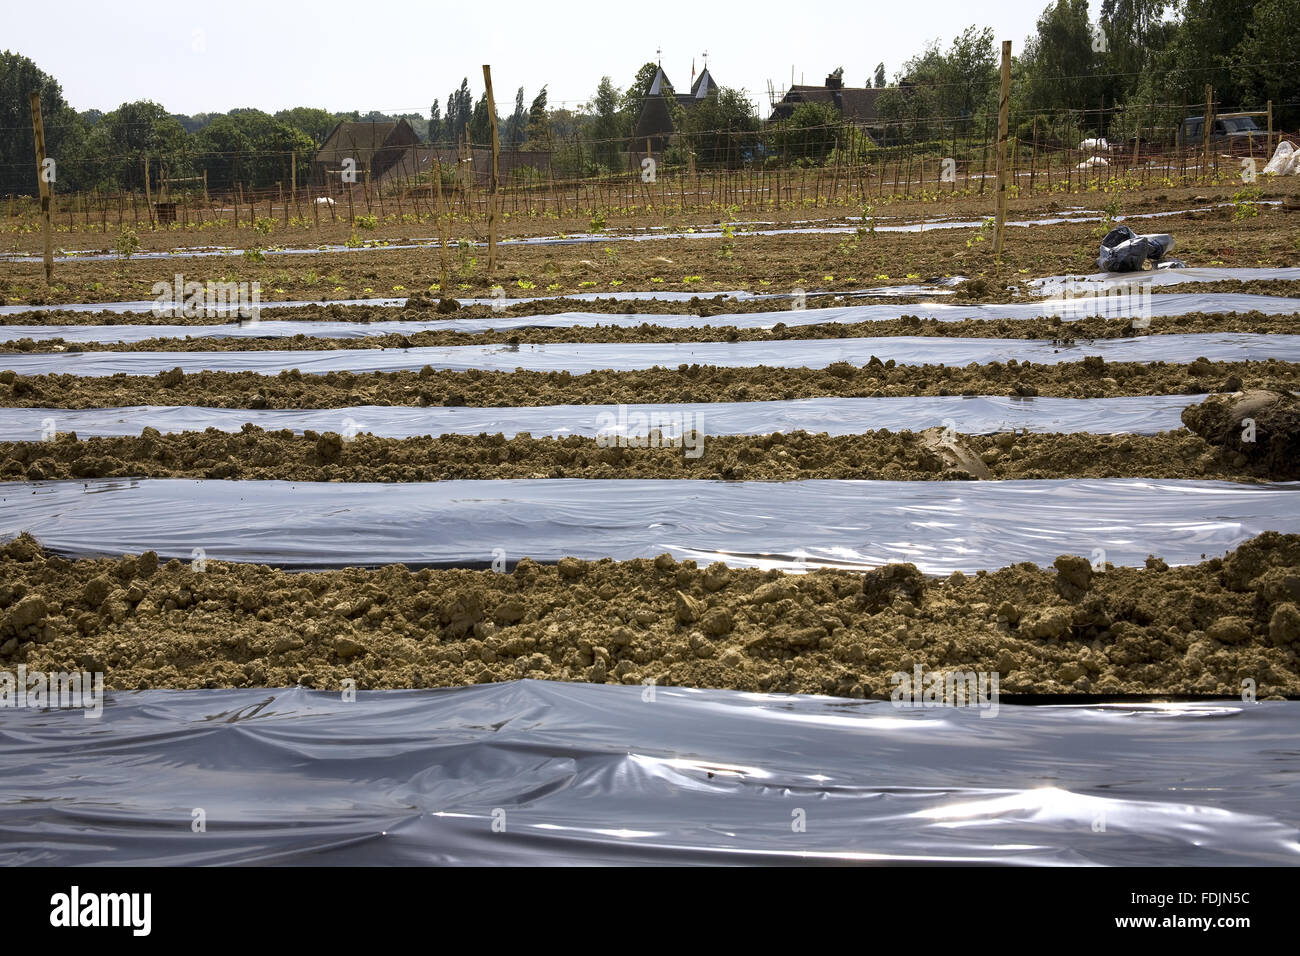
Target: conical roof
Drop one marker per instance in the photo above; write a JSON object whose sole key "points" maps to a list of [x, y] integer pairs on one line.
{"points": [[703, 85], [659, 84]]}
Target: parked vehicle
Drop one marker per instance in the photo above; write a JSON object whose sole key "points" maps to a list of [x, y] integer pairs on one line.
{"points": [[1232, 133]]}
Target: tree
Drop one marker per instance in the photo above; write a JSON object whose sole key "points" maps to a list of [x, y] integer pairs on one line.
{"points": [[538, 125], [808, 133], [605, 127], [1200, 51], [1059, 66], [970, 76], [315, 123], [517, 124], [880, 75], [908, 110], [251, 148], [65, 131], [480, 124], [1268, 44], [126, 136], [722, 128], [1131, 32], [435, 123], [460, 108]]}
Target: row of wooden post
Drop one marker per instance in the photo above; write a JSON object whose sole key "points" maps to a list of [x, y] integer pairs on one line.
{"points": [[722, 190]]}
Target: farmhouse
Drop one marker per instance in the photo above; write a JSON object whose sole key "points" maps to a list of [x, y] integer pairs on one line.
{"points": [[373, 147], [857, 104]]}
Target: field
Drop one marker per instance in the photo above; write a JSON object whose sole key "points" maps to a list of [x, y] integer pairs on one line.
{"points": [[1220, 611]]}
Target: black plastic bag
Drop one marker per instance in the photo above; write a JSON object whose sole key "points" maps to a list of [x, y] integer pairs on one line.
{"points": [[1123, 250]]}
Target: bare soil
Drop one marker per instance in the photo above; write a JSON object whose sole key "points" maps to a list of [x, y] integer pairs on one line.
{"points": [[254, 453], [1203, 629], [1091, 378], [699, 264]]}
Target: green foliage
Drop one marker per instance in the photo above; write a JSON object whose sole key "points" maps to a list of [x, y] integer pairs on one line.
{"points": [[1245, 204], [369, 223], [1059, 67], [65, 131], [314, 123], [606, 128], [128, 243], [723, 128], [809, 133], [943, 94], [251, 148]]}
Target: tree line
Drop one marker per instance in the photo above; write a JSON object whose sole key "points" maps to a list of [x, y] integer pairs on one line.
{"points": [[1136, 71]]}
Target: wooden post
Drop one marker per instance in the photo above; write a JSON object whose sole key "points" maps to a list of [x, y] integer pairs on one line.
{"points": [[38, 135], [1004, 109], [148, 196], [1033, 158], [293, 182], [1207, 122], [492, 179], [444, 233], [1268, 152]]}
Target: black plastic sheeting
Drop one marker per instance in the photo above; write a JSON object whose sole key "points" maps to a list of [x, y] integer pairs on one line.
{"points": [[584, 357], [970, 415], [941, 526], [1067, 309], [533, 772]]}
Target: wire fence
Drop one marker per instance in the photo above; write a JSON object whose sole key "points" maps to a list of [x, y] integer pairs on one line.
{"points": [[750, 171]]}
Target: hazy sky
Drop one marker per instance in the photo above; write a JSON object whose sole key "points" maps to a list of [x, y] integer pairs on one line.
{"points": [[398, 56]]}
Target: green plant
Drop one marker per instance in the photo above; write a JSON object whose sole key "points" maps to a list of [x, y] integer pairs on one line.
{"points": [[598, 220], [263, 225], [1245, 204], [367, 222], [128, 243], [254, 254]]}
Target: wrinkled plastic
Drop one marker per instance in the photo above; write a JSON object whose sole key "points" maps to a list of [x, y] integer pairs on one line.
{"points": [[1285, 161], [596, 774], [1123, 250], [941, 526], [1133, 305], [1055, 285], [970, 415], [86, 255], [582, 357]]}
